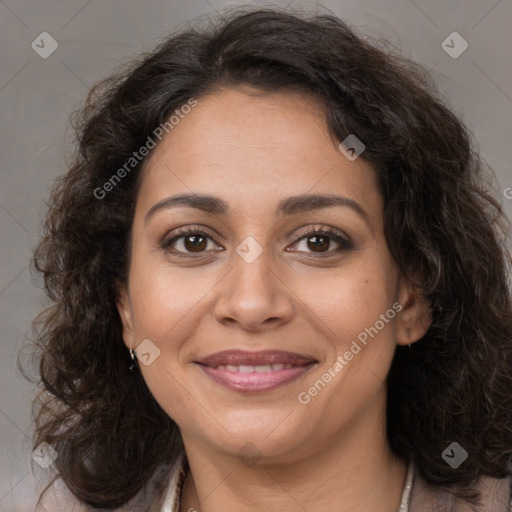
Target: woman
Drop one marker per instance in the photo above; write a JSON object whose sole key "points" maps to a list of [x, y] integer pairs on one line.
{"points": [[278, 283]]}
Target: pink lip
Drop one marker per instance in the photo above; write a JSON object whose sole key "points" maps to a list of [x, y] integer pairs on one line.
{"points": [[255, 380]]}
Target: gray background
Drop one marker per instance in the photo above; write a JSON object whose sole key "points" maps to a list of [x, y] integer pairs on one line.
{"points": [[37, 96]]}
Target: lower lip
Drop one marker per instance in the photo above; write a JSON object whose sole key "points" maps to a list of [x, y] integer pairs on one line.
{"points": [[255, 381]]}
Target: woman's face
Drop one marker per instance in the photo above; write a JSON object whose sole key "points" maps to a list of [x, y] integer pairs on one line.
{"points": [[310, 320]]}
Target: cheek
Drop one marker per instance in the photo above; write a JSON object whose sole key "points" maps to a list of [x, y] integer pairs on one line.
{"points": [[354, 314], [347, 303], [163, 306], [163, 300], [357, 319]]}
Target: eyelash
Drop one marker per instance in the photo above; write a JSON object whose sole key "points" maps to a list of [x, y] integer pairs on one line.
{"points": [[343, 242], [183, 233]]}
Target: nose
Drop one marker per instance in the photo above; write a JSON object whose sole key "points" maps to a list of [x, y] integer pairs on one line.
{"points": [[253, 297]]}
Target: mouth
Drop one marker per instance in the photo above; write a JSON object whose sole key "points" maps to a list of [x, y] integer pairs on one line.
{"points": [[255, 371]]}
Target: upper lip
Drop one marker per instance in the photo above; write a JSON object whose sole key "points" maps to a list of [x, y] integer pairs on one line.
{"points": [[262, 357]]}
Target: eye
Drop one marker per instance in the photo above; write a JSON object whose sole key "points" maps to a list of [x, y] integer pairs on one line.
{"points": [[195, 242], [187, 241], [320, 241]]}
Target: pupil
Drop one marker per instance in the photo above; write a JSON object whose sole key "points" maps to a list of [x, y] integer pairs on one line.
{"points": [[195, 242], [319, 242]]}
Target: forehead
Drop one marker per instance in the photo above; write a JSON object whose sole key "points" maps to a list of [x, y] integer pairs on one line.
{"points": [[253, 147]]}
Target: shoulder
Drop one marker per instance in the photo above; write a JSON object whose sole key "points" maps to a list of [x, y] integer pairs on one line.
{"points": [[162, 487], [496, 496], [169, 499]]}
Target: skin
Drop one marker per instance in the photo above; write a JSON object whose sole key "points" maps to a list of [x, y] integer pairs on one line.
{"points": [[254, 149]]}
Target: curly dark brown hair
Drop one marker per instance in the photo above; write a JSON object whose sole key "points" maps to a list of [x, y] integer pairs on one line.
{"points": [[445, 231]]}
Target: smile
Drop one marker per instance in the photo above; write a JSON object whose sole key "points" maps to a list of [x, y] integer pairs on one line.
{"points": [[255, 371]]}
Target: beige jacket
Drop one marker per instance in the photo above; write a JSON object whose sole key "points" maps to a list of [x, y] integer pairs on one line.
{"points": [[164, 489]]}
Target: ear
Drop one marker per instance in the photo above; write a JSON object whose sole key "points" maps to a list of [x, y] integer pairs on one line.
{"points": [[415, 317], [125, 312]]}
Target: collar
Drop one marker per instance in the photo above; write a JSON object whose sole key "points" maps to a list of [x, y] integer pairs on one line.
{"points": [[179, 470]]}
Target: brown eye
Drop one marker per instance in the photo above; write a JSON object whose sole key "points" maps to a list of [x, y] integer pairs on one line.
{"points": [[189, 242], [195, 243], [324, 242], [318, 243]]}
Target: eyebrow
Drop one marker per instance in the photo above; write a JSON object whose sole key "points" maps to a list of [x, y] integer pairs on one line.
{"points": [[289, 206]]}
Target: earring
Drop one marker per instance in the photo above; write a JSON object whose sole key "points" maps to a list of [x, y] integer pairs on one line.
{"points": [[132, 362]]}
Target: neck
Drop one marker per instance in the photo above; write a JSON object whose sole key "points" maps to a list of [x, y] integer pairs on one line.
{"points": [[357, 472]]}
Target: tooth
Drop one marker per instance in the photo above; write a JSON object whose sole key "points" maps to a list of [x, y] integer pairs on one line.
{"points": [[286, 366], [277, 366], [232, 368], [246, 368], [220, 367], [263, 369]]}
